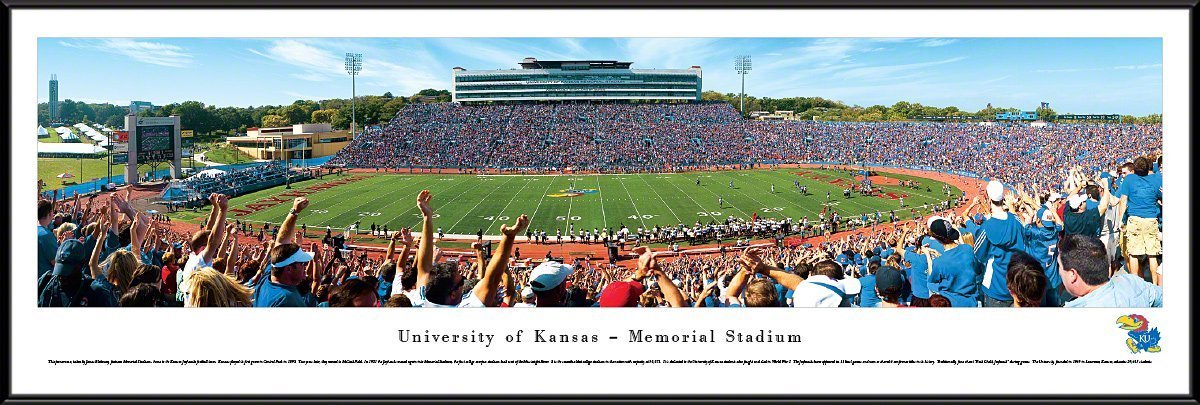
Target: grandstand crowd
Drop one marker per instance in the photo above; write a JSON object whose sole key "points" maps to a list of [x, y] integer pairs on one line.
{"points": [[1071, 218], [229, 181]]}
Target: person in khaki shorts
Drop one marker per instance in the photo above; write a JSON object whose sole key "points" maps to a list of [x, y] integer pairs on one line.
{"points": [[1141, 201]]}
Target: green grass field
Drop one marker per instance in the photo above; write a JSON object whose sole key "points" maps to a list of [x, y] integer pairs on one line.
{"points": [[466, 203], [50, 168], [53, 138], [222, 153]]}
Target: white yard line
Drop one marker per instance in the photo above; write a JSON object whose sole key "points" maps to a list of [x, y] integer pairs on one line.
{"points": [[689, 196], [510, 200], [543, 197], [635, 208], [603, 216], [481, 200], [660, 199]]}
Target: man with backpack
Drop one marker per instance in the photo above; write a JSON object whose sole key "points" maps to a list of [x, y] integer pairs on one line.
{"points": [[66, 285]]}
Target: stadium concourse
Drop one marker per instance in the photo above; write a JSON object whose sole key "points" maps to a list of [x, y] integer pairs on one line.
{"points": [[1062, 215]]}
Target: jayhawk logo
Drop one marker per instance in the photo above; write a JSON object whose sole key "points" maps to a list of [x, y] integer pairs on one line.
{"points": [[1140, 338]]}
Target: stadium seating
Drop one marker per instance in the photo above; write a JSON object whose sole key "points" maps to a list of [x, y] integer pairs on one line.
{"points": [[665, 137]]}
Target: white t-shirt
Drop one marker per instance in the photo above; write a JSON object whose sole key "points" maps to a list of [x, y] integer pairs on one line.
{"points": [[469, 300], [194, 262], [810, 295]]}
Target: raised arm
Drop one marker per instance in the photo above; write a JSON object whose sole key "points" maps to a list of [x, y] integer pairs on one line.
{"points": [[753, 261], [94, 261], [478, 248], [407, 239], [288, 229], [233, 249], [425, 252], [510, 292], [138, 232], [486, 288], [217, 234], [734, 292], [708, 290]]}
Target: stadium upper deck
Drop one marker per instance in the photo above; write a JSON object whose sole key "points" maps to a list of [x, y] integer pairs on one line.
{"points": [[576, 80]]}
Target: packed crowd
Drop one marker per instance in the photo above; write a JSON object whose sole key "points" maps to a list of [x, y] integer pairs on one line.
{"points": [[665, 137], [1091, 240], [228, 181]]}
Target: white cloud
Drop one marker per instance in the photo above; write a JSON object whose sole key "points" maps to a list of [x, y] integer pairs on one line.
{"points": [[155, 53], [311, 76], [933, 42], [672, 53], [574, 47], [318, 63], [1137, 67], [883, 72], [1094, 69]]}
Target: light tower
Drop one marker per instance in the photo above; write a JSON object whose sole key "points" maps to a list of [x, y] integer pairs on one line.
{"points": [[353, 66], [741, 65]]}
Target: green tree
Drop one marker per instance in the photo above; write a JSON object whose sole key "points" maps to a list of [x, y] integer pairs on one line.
{"points": [[273, 121], [390, 108], [324, 115], [1045, 114]]}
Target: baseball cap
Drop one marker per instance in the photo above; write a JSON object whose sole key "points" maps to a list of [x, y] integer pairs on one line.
{"points": [[1075, 200], [527, 293], [889, 280], [941, 228], [621, 294], [979, 218], [70, 258], [995, 190], [1047, 217], [1053, 197], [548, 275]]}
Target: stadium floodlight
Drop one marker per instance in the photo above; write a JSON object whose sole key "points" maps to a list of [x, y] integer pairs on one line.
{"points": [[353, 66], [742, 65]]}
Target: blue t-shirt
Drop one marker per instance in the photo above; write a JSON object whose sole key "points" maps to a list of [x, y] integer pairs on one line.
{"points": [[1143, 194], [1043, 246], [999, 237], [271, 294], [104, 293], [953, 276], [47, 249], [971, 228], [868, 298], [385, 289], [916, 272], [1121, 291]]}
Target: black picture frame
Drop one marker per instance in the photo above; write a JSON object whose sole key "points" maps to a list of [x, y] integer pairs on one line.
{"points": [[7, 220]]}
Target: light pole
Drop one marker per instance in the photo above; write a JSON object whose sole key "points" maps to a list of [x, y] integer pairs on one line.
{"points": [[287, 173], [741, 65], [353, 66]]}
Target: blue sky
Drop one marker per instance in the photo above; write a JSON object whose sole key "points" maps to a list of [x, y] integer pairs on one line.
{"points": [[1079, 75]]}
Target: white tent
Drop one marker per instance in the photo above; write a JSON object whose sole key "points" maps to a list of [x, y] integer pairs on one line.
{"points": [[211, 173], [69, 148], [41, 132], [65, 133]]}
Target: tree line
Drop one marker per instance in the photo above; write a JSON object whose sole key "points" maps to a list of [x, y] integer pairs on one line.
{"points": [[212, 121], [829, 110]]}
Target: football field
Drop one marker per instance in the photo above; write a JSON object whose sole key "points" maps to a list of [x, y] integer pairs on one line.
{"points": [[465, 204]]}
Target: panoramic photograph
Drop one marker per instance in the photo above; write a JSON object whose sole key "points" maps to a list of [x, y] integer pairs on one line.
{"points": [[600, 172]]}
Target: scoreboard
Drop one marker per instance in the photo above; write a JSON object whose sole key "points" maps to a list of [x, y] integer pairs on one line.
{"points": [[151, 140], [155, 143]]}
